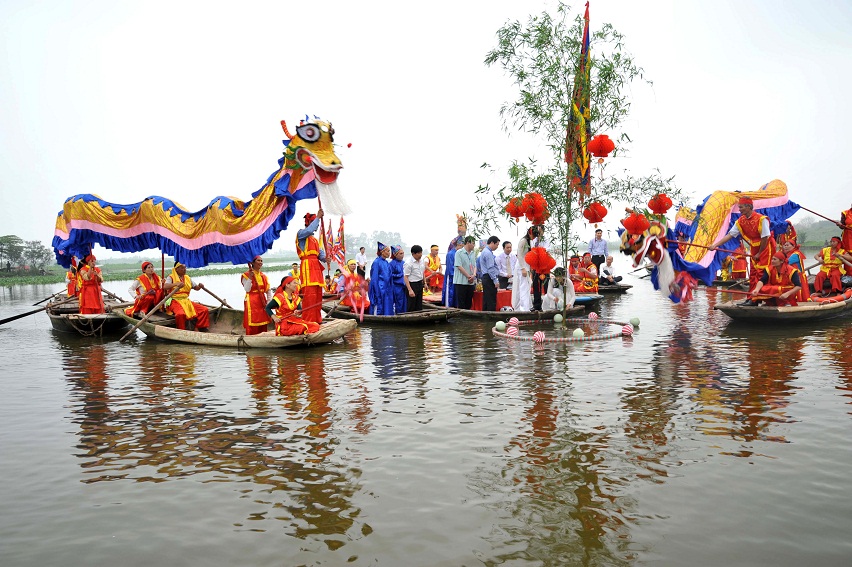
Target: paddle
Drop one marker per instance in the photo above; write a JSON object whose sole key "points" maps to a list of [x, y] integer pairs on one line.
{"points": [[34, 311], [49, 297], [114, 296], [149, 313], [219, 299], [841, 225], [726, 290]]}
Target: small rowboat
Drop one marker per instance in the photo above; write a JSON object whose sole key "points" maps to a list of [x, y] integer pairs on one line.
{"points": [[614, 288], [804, 311], [426, 316], [226, 329], [587, 299], [66, 318], [506, 315]]}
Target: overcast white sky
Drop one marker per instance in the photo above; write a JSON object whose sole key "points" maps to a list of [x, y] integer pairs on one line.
{"points": [[183, 99]]}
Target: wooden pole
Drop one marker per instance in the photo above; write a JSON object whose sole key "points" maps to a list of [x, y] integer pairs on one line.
{"points": [[34, 311], [148, 314], [826, 218], [222, 301]]}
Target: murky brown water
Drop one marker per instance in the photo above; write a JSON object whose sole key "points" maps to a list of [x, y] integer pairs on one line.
{"points": [[696, 442]]}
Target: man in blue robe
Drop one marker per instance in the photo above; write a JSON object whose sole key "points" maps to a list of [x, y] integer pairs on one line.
{"points": [[400, 291], [381, 292], [448, 298]]}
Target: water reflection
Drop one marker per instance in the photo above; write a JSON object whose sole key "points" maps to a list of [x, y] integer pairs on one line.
{"points": [[170, 419], [838, 346]]}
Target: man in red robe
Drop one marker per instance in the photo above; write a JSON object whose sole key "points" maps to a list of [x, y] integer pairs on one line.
{"points": [[147, 289], [780, 282], [91, 297], [258, 293], [282, 309], [310, 270], [752, 228], [846, 225]]}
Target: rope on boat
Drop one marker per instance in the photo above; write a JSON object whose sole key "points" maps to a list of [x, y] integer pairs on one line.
{"points": [[626, 331], [86, 325]]}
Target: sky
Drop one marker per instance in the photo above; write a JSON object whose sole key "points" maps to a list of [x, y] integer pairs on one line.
{"points": [[183, 100]]}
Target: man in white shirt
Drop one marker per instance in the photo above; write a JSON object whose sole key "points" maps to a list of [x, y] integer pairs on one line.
{"points": [[607, 273], [506, 264], [361, 260], [413, 275]]}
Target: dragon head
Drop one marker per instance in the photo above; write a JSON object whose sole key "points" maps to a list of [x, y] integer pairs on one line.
{"points": [[311, 149], [650, 244]]}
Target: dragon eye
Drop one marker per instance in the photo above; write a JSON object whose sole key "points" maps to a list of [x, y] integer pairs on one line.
{"points": [[309, 132]]}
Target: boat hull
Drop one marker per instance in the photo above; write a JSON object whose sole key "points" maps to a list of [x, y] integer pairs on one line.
{"points": [[226, 330], [66, 318], [615, 288], [806, 311]]}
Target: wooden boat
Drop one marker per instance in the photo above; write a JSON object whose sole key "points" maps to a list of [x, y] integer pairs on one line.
{"points": [[614, 288], [587, 299], [805, 311], [226, 329], [66, 318], [731, 284], [506, 315], [414, 318]]}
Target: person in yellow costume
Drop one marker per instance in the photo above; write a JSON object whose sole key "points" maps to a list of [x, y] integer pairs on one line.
{"points": [[834, 260], [179, 304]]}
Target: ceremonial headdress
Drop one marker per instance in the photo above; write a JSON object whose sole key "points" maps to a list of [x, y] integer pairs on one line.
{"points": [[837, 238], [146, 264], [781, 256], [589, 254], [745, 201], [380, 247], [309, 218], [394, 250], [256, 258], [178, 265], [574, 256], [461, 223], [89, 257], [433, 247]]}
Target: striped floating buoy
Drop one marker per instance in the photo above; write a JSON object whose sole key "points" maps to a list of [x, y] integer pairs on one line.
{"points": [[593, 315], [514, 321], [512, 331], [538, 336], [627, 330]]}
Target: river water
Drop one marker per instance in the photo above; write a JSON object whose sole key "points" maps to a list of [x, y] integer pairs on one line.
{"points": [[698, 441]]}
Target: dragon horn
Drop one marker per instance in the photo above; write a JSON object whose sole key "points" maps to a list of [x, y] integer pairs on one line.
{"points": [[284, 126]]}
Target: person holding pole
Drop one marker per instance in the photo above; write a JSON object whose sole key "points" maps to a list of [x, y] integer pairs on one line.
{"points": [[753, 228], [180, 306], [845, 224], [311, 278]]}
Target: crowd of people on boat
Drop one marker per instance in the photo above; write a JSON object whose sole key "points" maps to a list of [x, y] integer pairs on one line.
{"points": [[774, 266]]}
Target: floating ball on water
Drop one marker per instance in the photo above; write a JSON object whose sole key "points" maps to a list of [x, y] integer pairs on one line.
{"points": [[538, 336], [578, 333], [512, 331], [593, 315], [514, 321], [627, 330], [557, 318], [634, 321], [500, 326]]}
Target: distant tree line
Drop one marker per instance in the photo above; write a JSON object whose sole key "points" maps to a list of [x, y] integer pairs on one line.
{"points": [[17, 254]]}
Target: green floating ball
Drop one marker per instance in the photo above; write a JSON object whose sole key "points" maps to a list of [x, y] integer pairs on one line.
{"points": [[635, 321], [578, 333], [500, 326], [557, 318]]}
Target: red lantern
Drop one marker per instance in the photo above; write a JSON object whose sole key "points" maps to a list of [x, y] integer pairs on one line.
{"points": [[660, 204], [535, 208], [539, 260], [636, 223], [600, 146], [514, 209], [595, 212]]}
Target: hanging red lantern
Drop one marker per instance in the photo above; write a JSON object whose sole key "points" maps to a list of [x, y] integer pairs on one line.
{"points": [[601, 146], [539, 260], [535, 208], [636, 223], [514, 208], [660, 204], [595, 213]]}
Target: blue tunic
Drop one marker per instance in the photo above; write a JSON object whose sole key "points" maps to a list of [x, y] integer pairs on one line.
{"points": [[448, 294], [381, 292], [400, 292]]}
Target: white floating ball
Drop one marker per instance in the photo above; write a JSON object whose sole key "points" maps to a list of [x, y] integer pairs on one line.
{"points": [[538, 336], [579, 333], [500, 326], [512, 331], [634, 321], [627, 330], [514, 321], [593, 315], [557, 318]]}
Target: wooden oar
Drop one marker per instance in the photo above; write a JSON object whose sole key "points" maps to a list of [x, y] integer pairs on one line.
{"points": [[149, 313], [219, 299], [34, 311], [49, 297], [114, 296], [826, 218], [725, 290]]}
